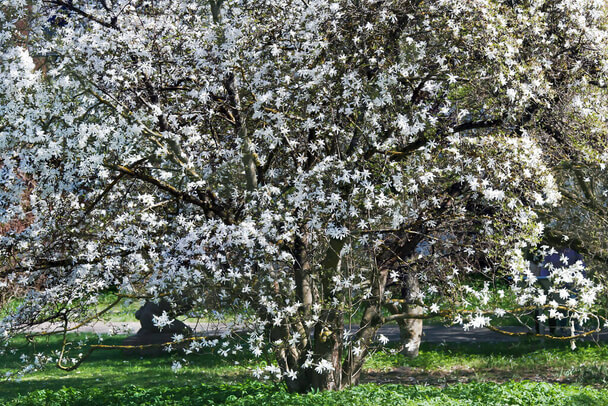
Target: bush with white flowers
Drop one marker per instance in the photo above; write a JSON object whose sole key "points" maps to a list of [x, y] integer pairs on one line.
{"points": [[283, 165]]}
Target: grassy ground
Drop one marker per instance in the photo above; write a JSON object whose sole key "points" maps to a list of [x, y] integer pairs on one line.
{"points": [[107, 369], [257, 394], [494, 362], [469, 367]]}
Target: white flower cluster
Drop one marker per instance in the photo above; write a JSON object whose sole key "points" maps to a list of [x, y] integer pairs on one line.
{"points": [[283, 167]]}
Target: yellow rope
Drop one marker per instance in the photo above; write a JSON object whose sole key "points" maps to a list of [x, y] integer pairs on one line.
{"points": [[120, 347], [548, 336]]}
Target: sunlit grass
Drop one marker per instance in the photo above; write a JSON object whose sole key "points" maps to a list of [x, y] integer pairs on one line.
{"points": [[517, 357], [112, 370], [107, 369]]}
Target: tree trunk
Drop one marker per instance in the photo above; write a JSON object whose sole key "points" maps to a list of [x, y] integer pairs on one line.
{"points": [[327, 344], [411, 329]]}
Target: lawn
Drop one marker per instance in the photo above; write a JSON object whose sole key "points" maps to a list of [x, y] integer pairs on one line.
{"points": [[443, 374]]}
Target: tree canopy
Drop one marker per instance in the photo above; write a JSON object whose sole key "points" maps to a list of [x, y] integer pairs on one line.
{"points": [[289, 166]]}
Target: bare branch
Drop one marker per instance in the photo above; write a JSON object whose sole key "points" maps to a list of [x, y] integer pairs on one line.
{"points": [[88, 16]]}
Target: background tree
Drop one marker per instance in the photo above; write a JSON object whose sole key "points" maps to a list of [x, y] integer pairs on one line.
{"points": [[283, 161], [579, 222]]}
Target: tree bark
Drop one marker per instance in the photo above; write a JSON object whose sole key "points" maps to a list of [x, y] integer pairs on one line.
{"points": [[302, 270], [329, 346], [410, 330]]}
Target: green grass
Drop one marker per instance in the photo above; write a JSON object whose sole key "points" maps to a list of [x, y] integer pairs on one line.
{"points": [[530, 354], [124, 311], [111, 377], [589, 373], [107, 369]]}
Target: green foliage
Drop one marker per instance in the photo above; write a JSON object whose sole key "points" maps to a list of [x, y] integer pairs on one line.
{"points": [[255, 393], [10, 306]]}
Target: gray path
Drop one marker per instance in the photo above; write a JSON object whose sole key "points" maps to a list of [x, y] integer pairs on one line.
{"points": [[432, 333], [438, 334]]}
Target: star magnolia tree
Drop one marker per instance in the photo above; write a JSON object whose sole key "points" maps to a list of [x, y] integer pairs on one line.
{"points": [[306, 171]]}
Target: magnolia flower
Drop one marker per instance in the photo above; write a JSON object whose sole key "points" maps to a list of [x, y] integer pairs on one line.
{"points": [[258, 372], [324, 366], [162, 321], [176, 366], [291, 374], [411, 345], [307, 363]]}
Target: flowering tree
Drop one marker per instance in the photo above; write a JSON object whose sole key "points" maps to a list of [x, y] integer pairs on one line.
{"points": [[312, 169]]}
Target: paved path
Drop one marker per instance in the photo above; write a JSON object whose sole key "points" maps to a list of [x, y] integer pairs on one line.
{"points": [[438, 334], [432, 333]]}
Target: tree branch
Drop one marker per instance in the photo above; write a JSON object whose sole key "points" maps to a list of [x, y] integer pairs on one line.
{"points": [[71, 7], [478, 124], [207, 205]]}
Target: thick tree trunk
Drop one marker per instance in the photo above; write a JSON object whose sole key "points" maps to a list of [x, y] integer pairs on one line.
{"points": [[411, 329], [327, 341], [329, 347], [327, 344]]}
